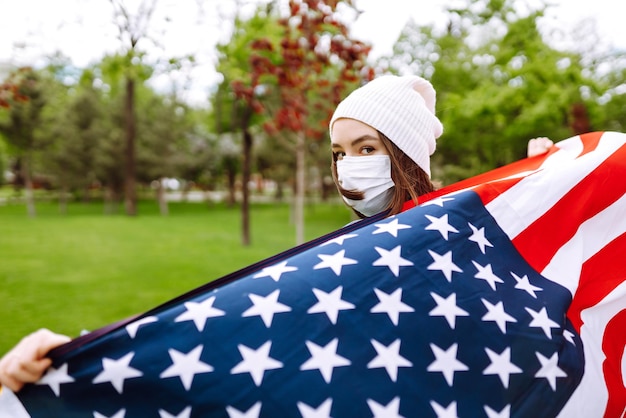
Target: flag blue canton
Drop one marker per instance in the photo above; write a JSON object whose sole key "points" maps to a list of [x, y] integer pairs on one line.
{"points": [[429, 313]]}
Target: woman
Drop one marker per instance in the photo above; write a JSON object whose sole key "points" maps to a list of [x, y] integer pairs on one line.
{"points": [[382, 137]]}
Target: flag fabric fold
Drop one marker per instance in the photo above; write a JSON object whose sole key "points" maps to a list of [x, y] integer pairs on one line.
{"points": [[499, 296]]}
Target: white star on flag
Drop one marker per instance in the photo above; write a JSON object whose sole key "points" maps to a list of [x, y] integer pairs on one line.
{"points": [[186, 366], [391, 304], [441, 225], [496, 314], [200, 312], [505, 413], [501, 365], [478, 236], [322, 411], [275, 271], [390, 227], [569, 336], [550, 369], [447, 308], [256, 362], [119, 414], [55, 377], [391, 259], [134, 326], [334, 262], [266, 307], [524, 284], [391, 410], [541, 320], [339, 240], [486, 273], [324, 359], [444, 264], [116, 371], [438, 201], [185, 413], [446, 362], [444, 412], [330, 303], [388, 357], [253, 412]]}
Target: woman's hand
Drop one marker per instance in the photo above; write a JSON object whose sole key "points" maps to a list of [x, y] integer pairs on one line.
{"points": [[538, 146], [26, 362]]}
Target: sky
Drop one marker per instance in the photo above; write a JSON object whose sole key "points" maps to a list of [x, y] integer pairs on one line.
{"points": [[83, 30]]}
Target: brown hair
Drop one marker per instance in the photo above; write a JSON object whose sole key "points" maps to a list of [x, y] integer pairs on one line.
{"points": [[409, 179]]}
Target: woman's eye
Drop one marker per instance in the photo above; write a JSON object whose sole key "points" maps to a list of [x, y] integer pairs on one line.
{"points": [[339, 155], [367, 150]]}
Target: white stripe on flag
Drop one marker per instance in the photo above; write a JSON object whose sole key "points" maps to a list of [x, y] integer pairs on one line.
{"points": [[10, 406], [566, 265], [539, 192], [593, 386]]}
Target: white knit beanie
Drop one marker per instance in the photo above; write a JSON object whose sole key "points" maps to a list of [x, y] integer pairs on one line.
{"points": [[402, 108]]}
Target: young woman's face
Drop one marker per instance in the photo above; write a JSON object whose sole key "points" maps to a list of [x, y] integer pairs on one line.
{"points": [[352, 138]]}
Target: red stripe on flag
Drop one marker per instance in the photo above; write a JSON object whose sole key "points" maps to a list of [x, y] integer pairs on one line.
{"points": [[599, 276], [603, 186], [613, 343], [500, 174], [590, 142], [490, 191], [487, 194]]}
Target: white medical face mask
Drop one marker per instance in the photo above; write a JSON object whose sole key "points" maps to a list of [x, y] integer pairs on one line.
{"points": [[370, 174]]}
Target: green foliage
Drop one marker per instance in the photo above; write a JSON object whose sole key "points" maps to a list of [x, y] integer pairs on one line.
{"points": [[499, 84], [235, 67], [74, 130], [23, 115], [85, 270]]}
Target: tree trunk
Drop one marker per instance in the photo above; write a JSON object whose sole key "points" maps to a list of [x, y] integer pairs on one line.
{"points": [[63, 199], [280, 191], [231, 177], [163, 207], [245, 203], [28, 188], [300, 187], [109, 200], [130, 197]]}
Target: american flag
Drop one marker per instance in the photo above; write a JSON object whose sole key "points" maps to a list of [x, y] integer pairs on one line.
{"points": [[499, 296]]}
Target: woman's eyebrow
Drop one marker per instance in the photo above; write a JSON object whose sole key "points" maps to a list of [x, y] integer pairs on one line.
{"points": [[357, 141], [363, 139]]}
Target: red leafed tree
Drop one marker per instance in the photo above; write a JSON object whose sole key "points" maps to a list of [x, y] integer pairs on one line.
{"points": [[302, 79], [22, 99], [10, 92]]}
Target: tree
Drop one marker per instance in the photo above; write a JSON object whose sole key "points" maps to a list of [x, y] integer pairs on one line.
{"points": [[236, 106], [498, 82], [23, 100], [314, 64], [131, 30], [162, 140], [112, 164], [75, 131]]}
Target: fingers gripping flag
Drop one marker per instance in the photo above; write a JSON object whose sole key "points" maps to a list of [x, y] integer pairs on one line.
{"points": [[499, 296]]}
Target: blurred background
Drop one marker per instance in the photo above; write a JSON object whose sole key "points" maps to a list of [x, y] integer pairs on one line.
{"points": [[149, 146]]}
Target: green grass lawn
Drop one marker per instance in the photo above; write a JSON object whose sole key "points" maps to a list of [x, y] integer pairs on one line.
{"points": [[84, 270]]}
